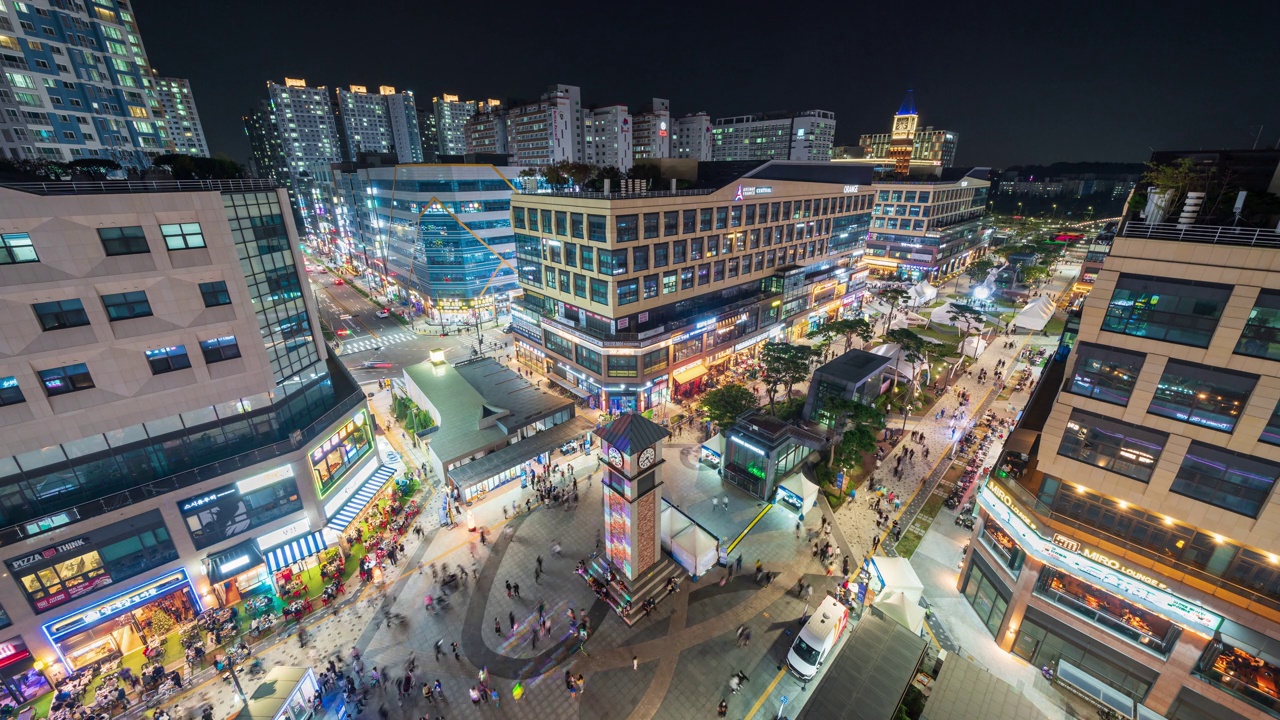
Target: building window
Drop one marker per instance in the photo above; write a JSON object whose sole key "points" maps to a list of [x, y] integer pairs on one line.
{"points": [[704, 274], [579, 285], [1202, 395], [689, 221], [986, 600], [670, 223], [626, 228], [61, 314], [717, 271], [517, 218], [686, 278], [735, 216], [562, 222], [622, 366], [575, 225], [589, 359], [66, 379], [660, 255], [695, 249], [183, 236], [628, 291], [1122, 448], [722, 218], [16, 248], [640, 258], [123, 306], [679, 251], [588, 258], [215, 294], [1271, 433], [713, 246], [599, 291], [168, 359], [650, 287], [656, 360], [1105, 373], [570, 254], [1176, 311], [651, 225], [596, 228], [219, 349], [123, 240], [1260, 336], [704, 220], [751, 215], [10, 393], [1224, 479], [613, 262], [533, 220], [669, 284]]}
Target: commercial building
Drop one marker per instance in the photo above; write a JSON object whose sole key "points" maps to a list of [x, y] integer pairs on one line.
{"points": [[382, 122], [494, 427], [855, 375], [1129, 533], [181, 120], [438, 234], [926, 227], [630, 299], [174, 426], [652, 131], [78, 84], [907, 145], [807, 135], [692, 138], [606, 134]]}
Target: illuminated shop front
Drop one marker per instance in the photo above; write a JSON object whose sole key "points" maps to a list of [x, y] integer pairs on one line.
{"points": [[225, 512], [124, 623], [22, 678], [341, 451], [1243, 669], [237, 572], [1108, 610]]}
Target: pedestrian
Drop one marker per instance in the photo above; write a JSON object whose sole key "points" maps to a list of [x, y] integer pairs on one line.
{"points": [[456, 655], [497, 627], [715, 503], [539, 562], [635, 662], [739, 568], [512, 617], [515, 587], [439, 648], [798, 529], [724, 501], [723, 708], [537, 576]]}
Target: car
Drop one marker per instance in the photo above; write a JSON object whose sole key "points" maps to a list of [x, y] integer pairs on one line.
{"points": [[375, 365], [338, 281], [507, 329], [383, 313]]}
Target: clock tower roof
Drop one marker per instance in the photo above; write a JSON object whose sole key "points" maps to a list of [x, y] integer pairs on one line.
{"points": [[631, 433], [908, 104]]}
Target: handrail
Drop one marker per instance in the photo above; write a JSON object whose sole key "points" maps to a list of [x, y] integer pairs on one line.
{"points": [[80, 187], [1208, 234], [618, 195]]}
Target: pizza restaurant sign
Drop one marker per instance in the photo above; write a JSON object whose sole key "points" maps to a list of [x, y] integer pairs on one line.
{"points": [[48, 553]]}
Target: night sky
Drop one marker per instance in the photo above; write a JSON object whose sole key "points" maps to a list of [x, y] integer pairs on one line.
{"points": [[1030, 82]]}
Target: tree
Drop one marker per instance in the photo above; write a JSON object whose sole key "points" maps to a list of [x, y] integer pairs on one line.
{"points": [[187, 167], [964, 316], [724, 404], [1035, 274], [652, 174], [853, 427], [914, 350], [823, 336], [579, 172], [97, 168], [602, 173], [978, 270], [895, 297], [856, 327], [555, 174], [783, 364]]}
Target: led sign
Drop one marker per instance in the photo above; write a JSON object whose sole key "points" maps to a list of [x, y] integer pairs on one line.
{"points": [[261, 480], [117, 604]]}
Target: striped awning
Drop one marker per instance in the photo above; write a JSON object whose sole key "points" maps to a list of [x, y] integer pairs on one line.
{"points": [[295, 550], [360, 499]]}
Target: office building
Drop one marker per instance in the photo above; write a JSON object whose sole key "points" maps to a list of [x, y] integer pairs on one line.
{"points": [[382, 122], [447, 244], [807, 135], [1130, 532], [692, 138], [80, 78], [651, 131], [174, 426], [907, 145], [924, 228], [549, 130], [606, 134], [181, 119], [627, 299], [486, 132], [451, 116]]}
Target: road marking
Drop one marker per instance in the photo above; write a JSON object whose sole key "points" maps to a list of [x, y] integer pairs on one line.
{"points": [[743, 534], [760, 701]]}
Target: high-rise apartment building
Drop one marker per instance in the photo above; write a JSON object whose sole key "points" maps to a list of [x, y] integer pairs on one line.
{"points": [[447, 242], [174, 427], [486, 132], [80, 78], [925, 227], [427, 130], [651, 131], [452, 115], [629, 299], [266, 152], [606, 134], [382, 122], [807, 135], [548, 130], [181, 119], [311, 143], [1130, 531], [907, 145], [692, 137]]}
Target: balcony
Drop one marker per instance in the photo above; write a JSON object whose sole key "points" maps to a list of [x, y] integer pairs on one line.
{"points": [[1206, 234]]}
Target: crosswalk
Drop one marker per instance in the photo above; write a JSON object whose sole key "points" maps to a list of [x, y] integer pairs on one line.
{"points": [[369, 343]]}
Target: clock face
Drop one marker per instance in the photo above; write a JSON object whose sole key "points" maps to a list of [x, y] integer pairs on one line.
{"points": [[646, 458], [902, 123], [615, 457]]}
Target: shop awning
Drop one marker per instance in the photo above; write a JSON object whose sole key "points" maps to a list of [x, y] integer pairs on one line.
{"points": [[577, 392], [295, 550], [233, 561], [477, 471], [360, 499], [689, 374]]}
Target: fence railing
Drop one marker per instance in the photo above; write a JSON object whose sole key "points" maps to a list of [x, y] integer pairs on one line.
{"points": [[1208, 234], [98, 187]]}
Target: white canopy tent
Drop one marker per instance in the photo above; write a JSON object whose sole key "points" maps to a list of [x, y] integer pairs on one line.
{"points": [[922, 293], [898, 607], [897, 574], [973, 346], [798, 486], [942, 316], [695, 549], [904, 318], [899, 366], [1035, 315]]}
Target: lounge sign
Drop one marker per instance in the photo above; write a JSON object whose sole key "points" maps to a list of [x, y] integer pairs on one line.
{"points": [[1098, 569]]}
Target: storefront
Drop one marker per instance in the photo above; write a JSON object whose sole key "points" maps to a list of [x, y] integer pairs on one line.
{"points": [[22, 677], [237, 572], [340, 452], [1108, 610], [689, 379], [225, 512], [125, 623], [986, 593], [352, 505], [1000, 542]]}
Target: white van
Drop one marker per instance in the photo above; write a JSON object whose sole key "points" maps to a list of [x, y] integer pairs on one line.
{"points": [[817, 638]]}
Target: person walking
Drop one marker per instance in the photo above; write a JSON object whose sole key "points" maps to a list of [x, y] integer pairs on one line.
{"points": [[511, 616], [456, 655], [539, 563], [497, 627], [515, 588], [723, 708], [439, 649]]}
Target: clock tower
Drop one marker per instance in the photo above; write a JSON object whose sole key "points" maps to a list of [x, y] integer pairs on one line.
{"points": [[632, 447], [903, 139]]}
